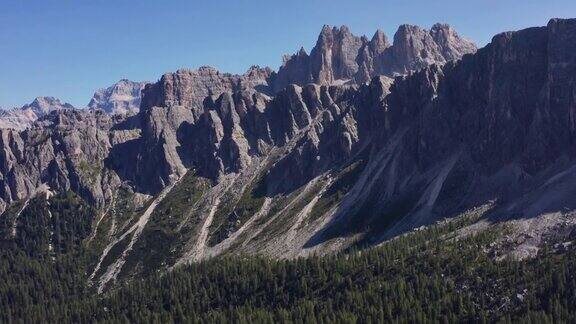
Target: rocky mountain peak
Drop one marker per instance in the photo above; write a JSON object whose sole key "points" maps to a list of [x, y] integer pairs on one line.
{"points": [[341, 57], [334, 56], [45, 105], [301, 54], [23, 117], [415, 48], [379, 41], [452, 45], [189, 88], [123, 97], [405, 30]]}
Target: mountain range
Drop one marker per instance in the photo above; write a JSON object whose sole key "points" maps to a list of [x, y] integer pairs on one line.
{"points": [[23, 117], [122, 98], [349, 146]]}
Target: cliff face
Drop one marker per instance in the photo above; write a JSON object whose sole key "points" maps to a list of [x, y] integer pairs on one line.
{"points": [[65, 150], [217, 163], [189, 88]]}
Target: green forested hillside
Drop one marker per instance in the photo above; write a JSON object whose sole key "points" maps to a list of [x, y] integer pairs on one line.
{"points": [[422, 277]]}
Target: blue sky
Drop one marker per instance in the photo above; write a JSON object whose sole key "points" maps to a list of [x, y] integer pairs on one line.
{"points": [[70, 48]]}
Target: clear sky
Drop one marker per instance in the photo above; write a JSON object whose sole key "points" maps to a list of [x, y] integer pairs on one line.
{"points": [[70, 48]]}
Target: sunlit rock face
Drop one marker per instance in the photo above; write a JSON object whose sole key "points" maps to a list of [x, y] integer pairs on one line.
{"points": [[122, 97]]}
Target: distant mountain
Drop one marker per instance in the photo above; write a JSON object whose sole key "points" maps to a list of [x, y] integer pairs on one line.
{"points": [[16, 118], [21, 118], [123, 97], [44, 105], [340, 57]]}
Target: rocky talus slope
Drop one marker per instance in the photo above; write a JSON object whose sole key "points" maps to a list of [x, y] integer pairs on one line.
{"points": [[217, 164]]}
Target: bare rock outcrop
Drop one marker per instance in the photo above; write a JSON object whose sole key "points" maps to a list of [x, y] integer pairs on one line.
{"points": [[189, 88], [64, 150]]}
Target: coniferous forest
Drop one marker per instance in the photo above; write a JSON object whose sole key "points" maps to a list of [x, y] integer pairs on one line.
{"points": [[426, 276]]}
